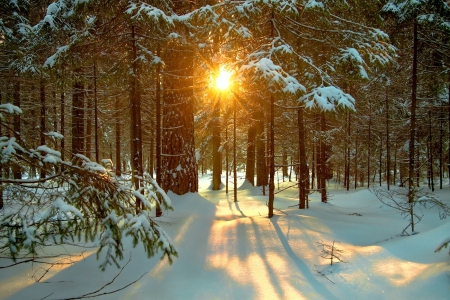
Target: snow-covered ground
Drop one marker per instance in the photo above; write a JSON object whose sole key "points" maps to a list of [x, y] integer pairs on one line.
{"points": [[231, 250]]}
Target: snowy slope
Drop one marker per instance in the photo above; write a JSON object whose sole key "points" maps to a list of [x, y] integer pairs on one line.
{"points": [[231, 250]]}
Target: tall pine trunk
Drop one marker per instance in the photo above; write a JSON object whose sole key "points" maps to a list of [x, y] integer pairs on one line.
{"points": [[137, 168], [118, 138], [178, 163], [17, 173], [271, 156], [78, 118], [216, 154], [303, 168], [411, 164], [250, 165], [261, 178], [42, 117]]}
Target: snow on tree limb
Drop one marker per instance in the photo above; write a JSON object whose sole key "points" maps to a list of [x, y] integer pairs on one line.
{"points": [[328, 98]]}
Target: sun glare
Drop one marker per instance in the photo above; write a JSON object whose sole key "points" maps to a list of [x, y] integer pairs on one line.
{"points": [[223, 80]]}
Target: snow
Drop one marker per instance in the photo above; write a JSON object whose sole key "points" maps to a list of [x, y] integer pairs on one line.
{"points": [[10, 109], [55, 135], [231, 250]]}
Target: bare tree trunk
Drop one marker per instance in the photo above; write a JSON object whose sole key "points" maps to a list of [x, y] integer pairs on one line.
{"points": [[88, 134], [1, 165], [97, 151], [136, 123], [449, 126], [380, 160], [260, 151], [368, 147], [234, 150], [314, 163], [347, 142], [78, 119], [430, 149], [42, 126], [271, 156], [216, 154], [323, 165], [356, 160], [388, 153], [178, 164], [158, 113], [441, 136], [118, 139], [303, 168], [411, 188], [226, 157], [17, 173], [250, 169], [62, 124]]}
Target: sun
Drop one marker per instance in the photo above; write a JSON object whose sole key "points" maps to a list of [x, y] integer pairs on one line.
{"points": [[223, 80]]}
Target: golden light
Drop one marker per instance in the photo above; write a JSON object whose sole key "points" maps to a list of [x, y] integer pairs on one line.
{"points": [[223, 80]]}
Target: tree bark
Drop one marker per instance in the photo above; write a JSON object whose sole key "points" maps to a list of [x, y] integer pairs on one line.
{"points": [[16, 169], [411, 173], [323, 164], [42, 126], [261, 178], [178, 165], [97, 151], [388, 149], [88, 135], [303, 168], [118, 139], [137, 168], [78, 118], [62, 124], [441, 136], [271, 156], [216, 154], [250, 165]]}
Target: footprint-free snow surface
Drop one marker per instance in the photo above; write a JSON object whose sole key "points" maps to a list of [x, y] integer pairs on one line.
{"points": [[231, 250]]}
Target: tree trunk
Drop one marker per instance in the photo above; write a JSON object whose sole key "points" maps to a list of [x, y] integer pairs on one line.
{"points": [[285, 164], [441, 136], [137, 169], [250, 165], [88, 134], [261, 178], [178, 165], [430, 149], [368, 146], [42, 126], [1, 165], [158, 126], [449, 126], [216, 154], [411, 188], [62, 130], [347, 142], [388, 153], [118, 139], [323, 164], [17, 173], [380, 160], [356, 160], [78, 119], [314, 163], [97, 151], [234, 150], [271, 156], [303, 168]]}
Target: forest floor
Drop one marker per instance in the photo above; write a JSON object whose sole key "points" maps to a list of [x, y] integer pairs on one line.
{"points": [[231, 250]]}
